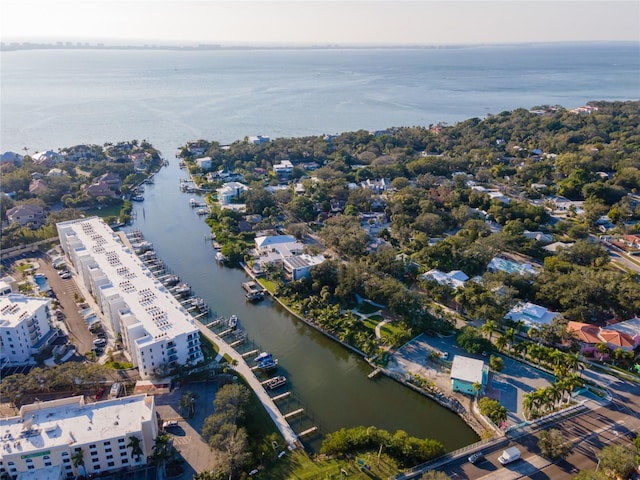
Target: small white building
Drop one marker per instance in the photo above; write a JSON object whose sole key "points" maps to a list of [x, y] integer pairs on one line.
{"points": [[465, 372], [24, 327], [531, 315], [45, 437]]}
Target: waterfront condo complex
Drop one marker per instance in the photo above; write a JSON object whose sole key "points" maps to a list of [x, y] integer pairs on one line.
{"points": [[63, 438], [156, 329]]}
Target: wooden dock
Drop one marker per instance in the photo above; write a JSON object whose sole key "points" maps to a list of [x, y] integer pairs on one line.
{"points": [[374, 373], [251, 354], [294, 413], [308, 432], [282, 396]]}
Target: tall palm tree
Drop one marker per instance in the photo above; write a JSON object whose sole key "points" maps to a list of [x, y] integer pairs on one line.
{"points": [[136, 449], [161, 454], [488, 328], [78, 461]]}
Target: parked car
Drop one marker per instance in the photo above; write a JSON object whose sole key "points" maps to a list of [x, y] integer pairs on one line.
{"points": [[99, 342], [476, 457], [65, 276], [170, 424]]}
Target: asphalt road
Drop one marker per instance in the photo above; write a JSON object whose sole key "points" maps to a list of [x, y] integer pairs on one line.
{"points": [[65, 291]]}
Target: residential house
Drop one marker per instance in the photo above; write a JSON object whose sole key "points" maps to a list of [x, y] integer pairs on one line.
{"points": [[259, 139], [112, 180], [11, 157], [509, 265], [453, 279], [205, 163], [55, 172], [229, 194], [99, 189], [299, 266], [36, 186], [622, 335], [198, 147], [467, 372], [27, 214], [540, 237], [284, 169], [48, 158], [531, 315]]}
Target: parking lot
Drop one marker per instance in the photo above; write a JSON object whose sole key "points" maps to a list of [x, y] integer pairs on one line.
{"points": [[508, 386], [186, 435]]}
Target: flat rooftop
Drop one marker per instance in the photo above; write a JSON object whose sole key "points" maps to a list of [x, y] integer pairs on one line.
{"points": [[15, 307], [70, 421], [146, 297]]}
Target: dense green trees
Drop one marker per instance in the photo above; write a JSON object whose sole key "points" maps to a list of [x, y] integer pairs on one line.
{"points": [[407, 450], [553, 444]]}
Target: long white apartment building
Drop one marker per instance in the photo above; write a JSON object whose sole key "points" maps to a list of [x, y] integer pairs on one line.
{"points": [[47, 438], [24, 327], [156, 329]]}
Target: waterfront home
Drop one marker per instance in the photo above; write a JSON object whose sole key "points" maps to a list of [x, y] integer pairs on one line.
{"points": [[229, 195], [299, 266], [259, 139], [11, 157], [48, 158], [531, 315], [112, 180], [99, 189], [205, 163], [467, 372], [56, 172]]}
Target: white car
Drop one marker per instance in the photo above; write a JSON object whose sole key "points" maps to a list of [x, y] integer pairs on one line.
{"points": [[170, 423], [65, 276]]}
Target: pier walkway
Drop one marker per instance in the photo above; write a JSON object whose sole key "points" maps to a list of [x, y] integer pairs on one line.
{"points": [[243, 369]]}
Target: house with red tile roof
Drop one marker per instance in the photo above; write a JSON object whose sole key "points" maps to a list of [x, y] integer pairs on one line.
{"points": [[623, 335]]}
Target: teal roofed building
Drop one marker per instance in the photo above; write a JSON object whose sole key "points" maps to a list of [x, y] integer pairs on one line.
{"points": [[465, 372]]}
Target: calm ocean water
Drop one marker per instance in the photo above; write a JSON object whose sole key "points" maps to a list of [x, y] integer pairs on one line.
{"points": [[57, 98]]}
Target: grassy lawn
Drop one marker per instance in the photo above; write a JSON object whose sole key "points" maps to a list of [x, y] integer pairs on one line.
{"points": [[268, 284], [370, 323], [298, 465], [110, 211], [366, 308]]}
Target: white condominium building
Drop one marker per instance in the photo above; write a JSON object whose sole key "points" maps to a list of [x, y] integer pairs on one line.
{"points": [[156, 329], [24, 327], [67, 437]]}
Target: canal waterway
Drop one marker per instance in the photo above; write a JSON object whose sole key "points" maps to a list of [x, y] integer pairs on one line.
{"points": [[326, 379]]}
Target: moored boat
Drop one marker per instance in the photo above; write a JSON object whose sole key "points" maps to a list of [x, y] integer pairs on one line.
{"points": [[253, 292], [268, 364], [233, 322], [263, 356], [275, 382]]}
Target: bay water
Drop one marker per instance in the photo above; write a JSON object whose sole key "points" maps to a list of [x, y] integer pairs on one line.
{"points": [[51, 99]]}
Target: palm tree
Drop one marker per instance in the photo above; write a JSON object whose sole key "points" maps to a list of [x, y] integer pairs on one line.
{"points": [[501, 342], [136, 449], [488, 328], [78, 461], [528, 404], [161, 454], [554, 393]]}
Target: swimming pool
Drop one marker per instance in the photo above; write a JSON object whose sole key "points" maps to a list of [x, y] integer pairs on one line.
{"points": [[41, 282]]}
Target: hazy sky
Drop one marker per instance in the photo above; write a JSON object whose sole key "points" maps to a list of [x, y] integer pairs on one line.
{"points": [[320, 22]]}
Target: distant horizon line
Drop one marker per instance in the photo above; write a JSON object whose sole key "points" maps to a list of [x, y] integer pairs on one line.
{"points": [[25, 44]]}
